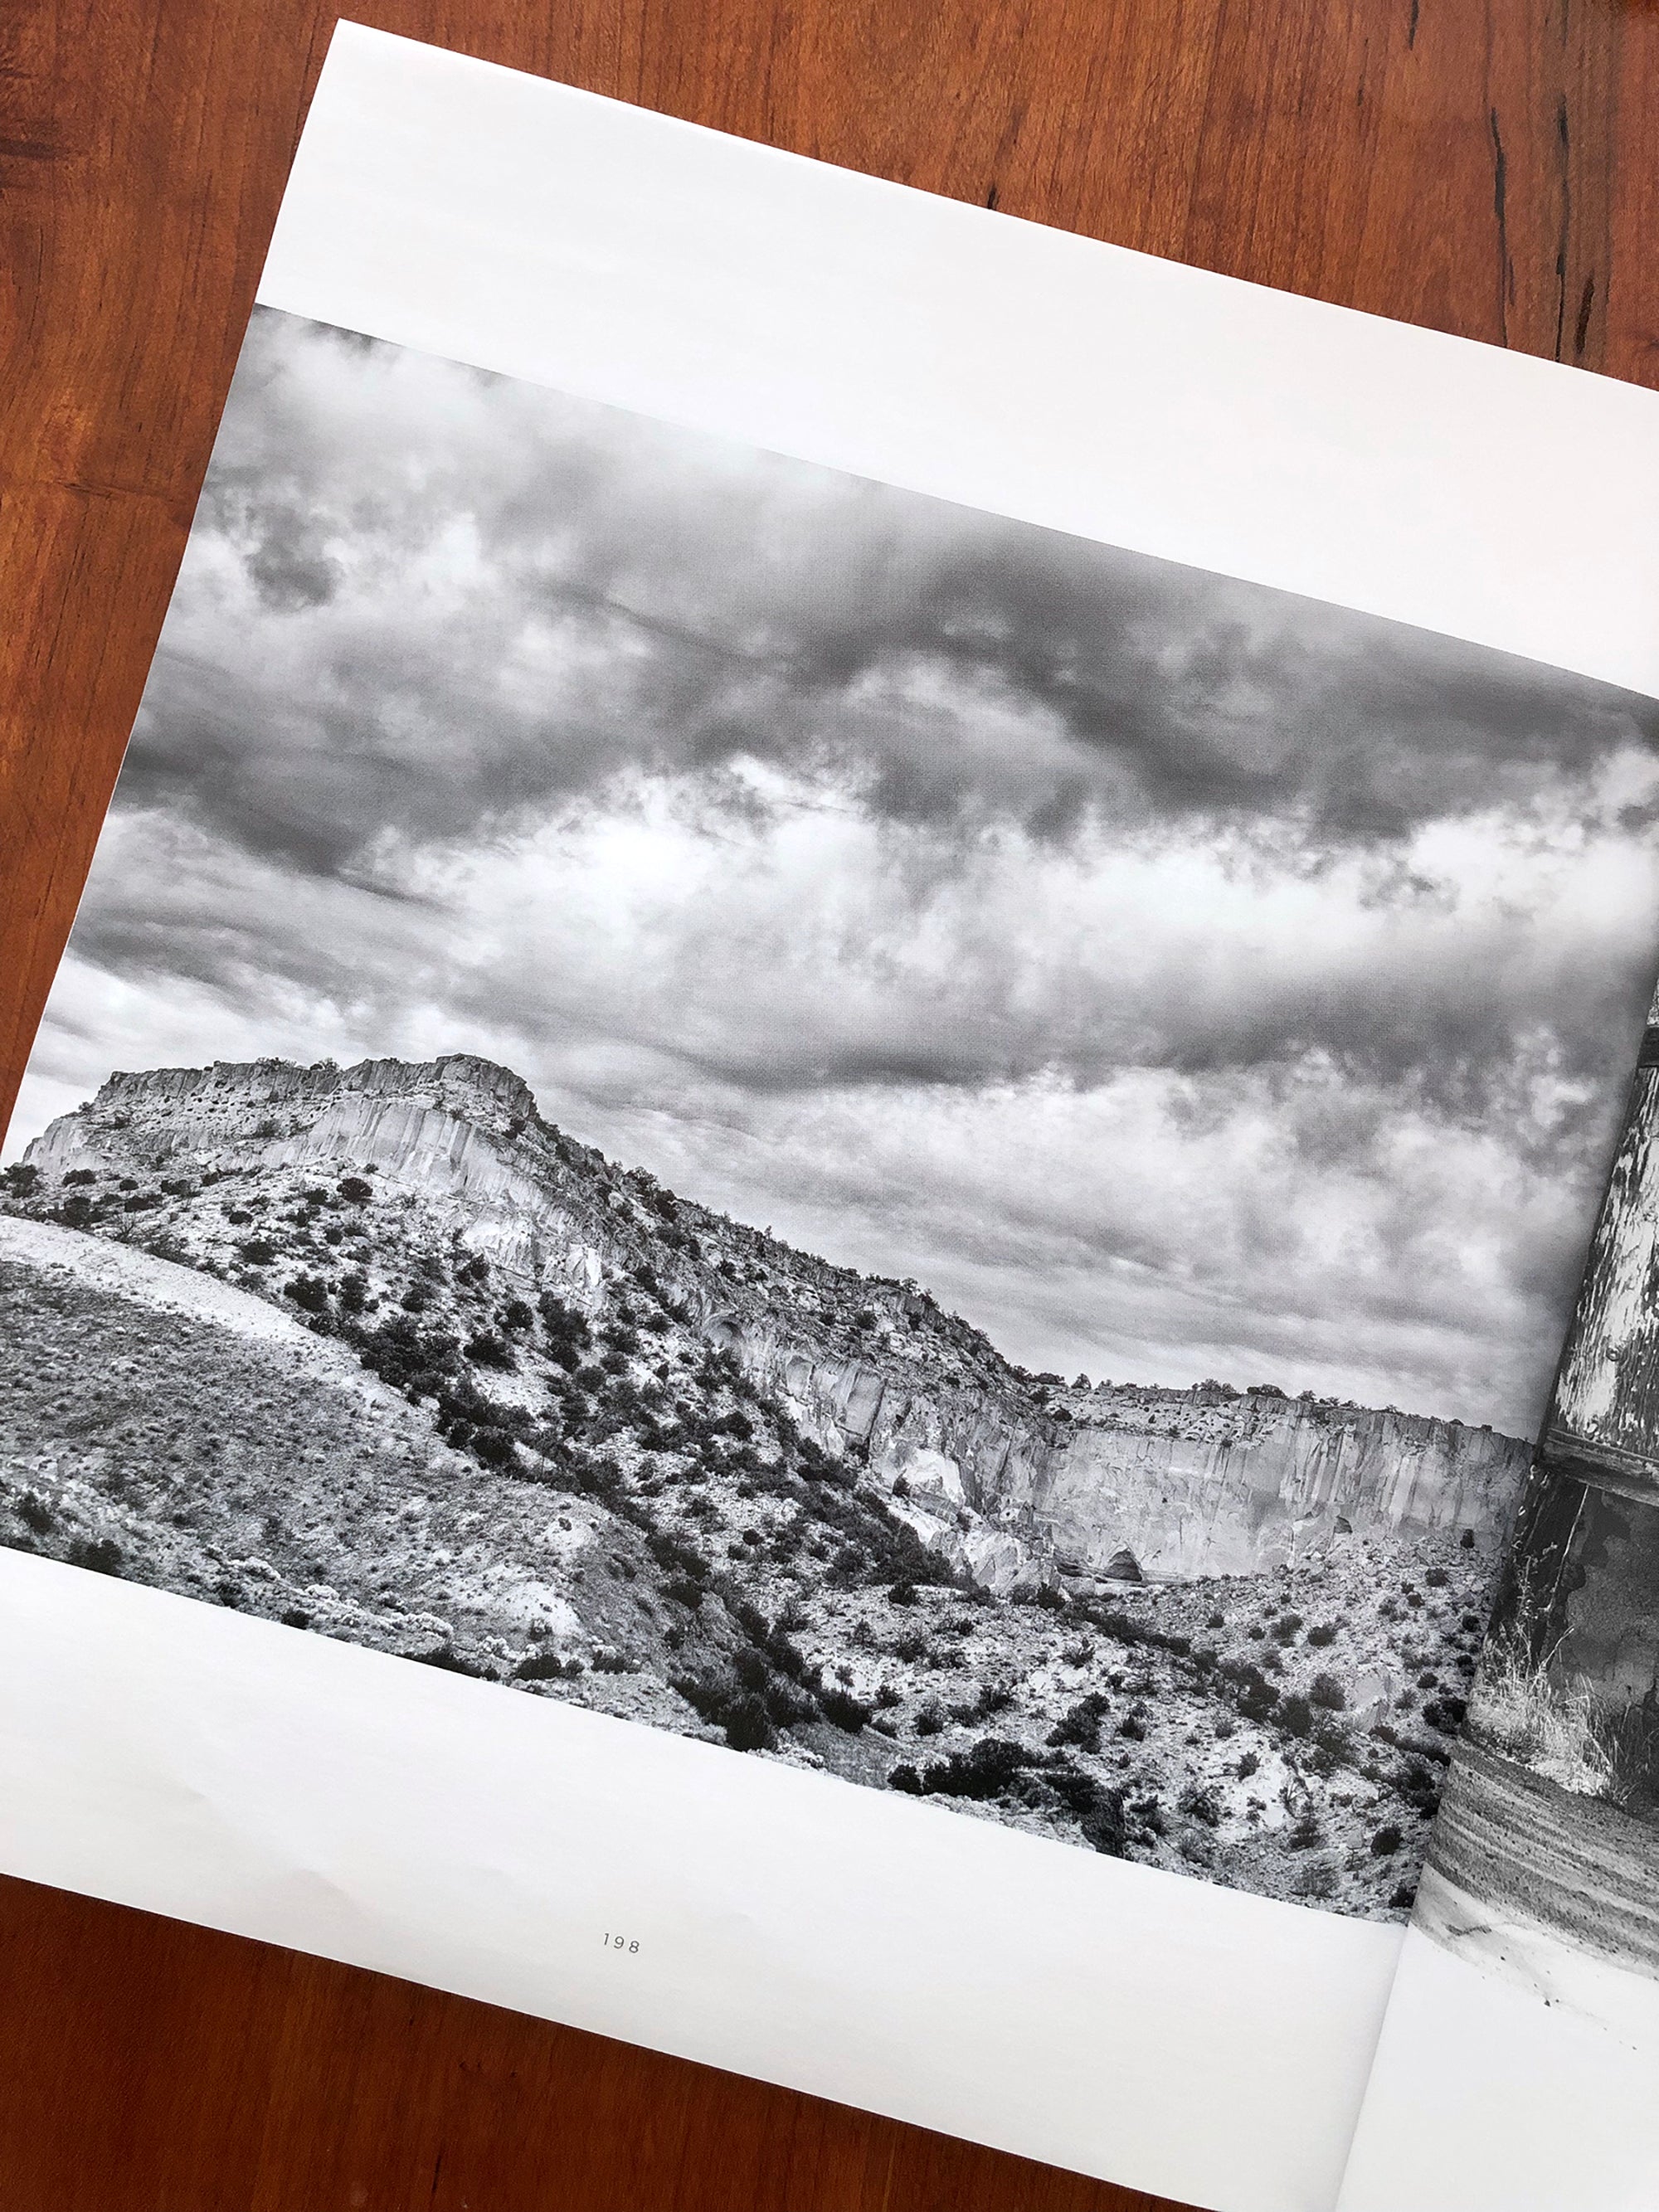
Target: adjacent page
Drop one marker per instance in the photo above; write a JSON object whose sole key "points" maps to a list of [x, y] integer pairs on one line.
{"points": [[780, 1258], [1516, 2068]]}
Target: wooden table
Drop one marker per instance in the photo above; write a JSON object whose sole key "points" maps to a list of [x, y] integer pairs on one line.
{"points": [[1485, 168]]}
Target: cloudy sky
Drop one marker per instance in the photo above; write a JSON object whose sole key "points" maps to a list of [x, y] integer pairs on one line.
{"points": [[1178, 977]]}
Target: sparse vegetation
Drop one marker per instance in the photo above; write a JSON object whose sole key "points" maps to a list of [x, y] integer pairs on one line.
{"points": [[717, 1567]]}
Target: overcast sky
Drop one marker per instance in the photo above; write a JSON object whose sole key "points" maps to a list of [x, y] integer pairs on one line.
{"points": [[1178, 977]]}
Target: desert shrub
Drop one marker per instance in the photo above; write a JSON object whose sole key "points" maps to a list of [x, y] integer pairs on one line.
{"points": [[1327, 1691], [1200, 1803], [568, 1332], [1295, 1714], [771, 1638], [142, 1201], [988, 1771], [1437, 1578], [1419, 1785], [487, 1350], [1080, 1723], [904, 1777], [1306, 1832], [1133, 1727], [679, 1558], [1321, 1633], [1104, 1824], [1248, 1762], [401, 1355], [36, 1513], [1404, 1897], [1216, 1621], [546, 1667], [1252, 1692], [1387, 1841], [1466, 1542], [516, 1316], [930, 1721], [475, 1270], [726, 1705], [1077, 1791], [1447, 1714], [309, 1292], [612, 1662], [20, 1179], [847, 1711], [887, 1697], [354, 1191], [294, 1616], [1317, 1879], [991, 1699], [494, 1448], [1150, 1814], [1050, 1600], [901, 1593], [1287, 1626]]}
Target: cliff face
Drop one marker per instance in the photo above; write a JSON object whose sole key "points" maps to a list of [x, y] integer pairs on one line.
{"points": [[1015, 1481], [1192, 1485], [1605, 1413], [379, 1353]]}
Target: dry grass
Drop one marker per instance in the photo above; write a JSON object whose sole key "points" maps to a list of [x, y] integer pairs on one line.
{"points": [[1557, 1732]]}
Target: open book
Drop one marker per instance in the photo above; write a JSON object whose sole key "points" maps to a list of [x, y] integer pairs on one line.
{"points": [[780, 1266]]}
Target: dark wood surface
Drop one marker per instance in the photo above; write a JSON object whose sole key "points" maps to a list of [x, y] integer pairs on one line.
{"points": [[1489, 169]]}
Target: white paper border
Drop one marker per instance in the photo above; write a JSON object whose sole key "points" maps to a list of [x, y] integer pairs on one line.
{"points": [[472, 211], [866, 1946]]}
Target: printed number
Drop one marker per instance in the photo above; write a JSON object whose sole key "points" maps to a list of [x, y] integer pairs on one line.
{"points": [[629, 1943]]}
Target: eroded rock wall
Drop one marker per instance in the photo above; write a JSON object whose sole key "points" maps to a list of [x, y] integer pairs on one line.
{"points": [[1013, 1480]]}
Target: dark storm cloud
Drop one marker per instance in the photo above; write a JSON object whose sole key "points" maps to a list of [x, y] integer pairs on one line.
{"points": [[472, 600], [1180, 977]]}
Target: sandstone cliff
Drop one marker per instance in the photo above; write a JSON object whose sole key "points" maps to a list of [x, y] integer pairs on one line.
{"points": [[1017, 1482], [379, 1352]]}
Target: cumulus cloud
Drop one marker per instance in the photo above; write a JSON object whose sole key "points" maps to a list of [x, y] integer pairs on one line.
{"points": [[1180, 977]]}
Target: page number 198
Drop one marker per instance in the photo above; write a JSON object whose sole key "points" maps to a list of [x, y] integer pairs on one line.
{"points": [[629, 1943]]}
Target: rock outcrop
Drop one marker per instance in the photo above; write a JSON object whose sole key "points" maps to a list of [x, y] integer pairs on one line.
{"points": [[1017, 1482], [379, 1353]]}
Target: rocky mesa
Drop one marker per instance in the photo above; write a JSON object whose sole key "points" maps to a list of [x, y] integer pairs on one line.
{"points": [[1018, 1480], [379, 1352]]}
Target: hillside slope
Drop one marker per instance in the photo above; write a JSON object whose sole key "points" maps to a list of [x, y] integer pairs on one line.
{"points": [[526, 1412]]}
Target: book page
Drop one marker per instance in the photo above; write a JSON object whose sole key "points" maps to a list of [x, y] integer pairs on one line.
{"points": [[1535, 1946], [784, 1238]]}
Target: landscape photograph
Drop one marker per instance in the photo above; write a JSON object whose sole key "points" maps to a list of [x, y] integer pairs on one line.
{"points": [[921, 1149]]}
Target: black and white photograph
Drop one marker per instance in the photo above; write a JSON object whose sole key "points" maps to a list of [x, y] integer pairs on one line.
{"points": [[1544, 1866], [918, 1147]]}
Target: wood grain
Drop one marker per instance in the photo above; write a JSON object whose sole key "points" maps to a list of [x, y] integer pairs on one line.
{"points": [[1485, 169]]}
